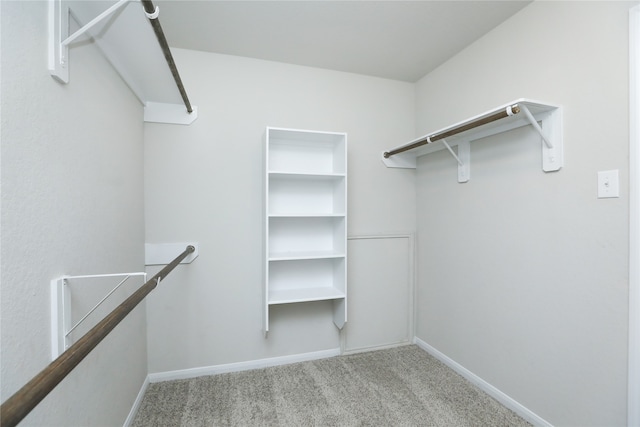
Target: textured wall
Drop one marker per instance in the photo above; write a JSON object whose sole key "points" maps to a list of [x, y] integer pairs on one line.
{"points": [[72, 203], [211, 312], [523, 276]]}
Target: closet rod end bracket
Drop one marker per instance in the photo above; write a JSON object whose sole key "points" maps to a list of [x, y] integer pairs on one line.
{"points": [[400, 160]]}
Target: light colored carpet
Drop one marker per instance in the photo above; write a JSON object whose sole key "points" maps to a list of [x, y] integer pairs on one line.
{"points": [[403, 386]]}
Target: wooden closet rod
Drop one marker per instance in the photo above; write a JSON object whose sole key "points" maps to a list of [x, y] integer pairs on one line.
{"points": [[509, 111], [15, 408], [152, 13]]}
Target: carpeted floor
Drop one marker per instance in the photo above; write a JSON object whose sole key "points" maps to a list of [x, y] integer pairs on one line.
{"points": [[403, 386]]}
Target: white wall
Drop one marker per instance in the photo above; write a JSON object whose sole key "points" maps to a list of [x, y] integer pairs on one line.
{"points": [[72, 203], [523, 276], [204, 183]]}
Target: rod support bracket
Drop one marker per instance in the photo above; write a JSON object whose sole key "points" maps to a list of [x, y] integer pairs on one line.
{"points": [[464, 164], [154, 14], [464, 152], [60, 39], [551, 135], [163, 253]]}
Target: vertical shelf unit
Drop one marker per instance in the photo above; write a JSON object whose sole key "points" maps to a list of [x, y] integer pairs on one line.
{"points": [[305, 241]]}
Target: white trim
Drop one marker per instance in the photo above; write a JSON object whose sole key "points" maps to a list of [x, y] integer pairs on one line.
{"points": [[633, 406], [492, 391], [376, 347], [240, 366], [136, 403]]}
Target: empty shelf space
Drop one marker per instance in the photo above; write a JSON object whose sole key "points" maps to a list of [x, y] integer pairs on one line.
{"points": [[304, 196], [306, 152], [306, 234], [302, 280]]}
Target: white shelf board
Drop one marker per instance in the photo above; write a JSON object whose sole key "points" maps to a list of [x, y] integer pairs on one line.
{"points": [[298, 137], [288, 296], [300, 175], [127, 40], [290, 256], [550, 116], [307, 215]]}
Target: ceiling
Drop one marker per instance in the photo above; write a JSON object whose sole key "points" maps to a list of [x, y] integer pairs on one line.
{"points": [[400, 40]]}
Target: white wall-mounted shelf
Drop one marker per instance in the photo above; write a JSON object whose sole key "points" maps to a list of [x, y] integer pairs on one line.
{"points": [[122, 31], [305, 220], [546, 119]]}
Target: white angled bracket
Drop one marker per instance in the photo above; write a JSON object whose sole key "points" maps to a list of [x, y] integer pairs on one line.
{"points": [[551, 134], [60, 39], [463, 158], [60, 316], [61, 319]]}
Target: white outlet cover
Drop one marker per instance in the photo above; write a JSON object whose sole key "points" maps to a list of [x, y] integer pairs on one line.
{"points": [[608, 184]]}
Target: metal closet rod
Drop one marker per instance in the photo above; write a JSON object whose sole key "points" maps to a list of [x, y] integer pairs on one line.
{"points": [[152, 13], [15, 408], [508, 111]]}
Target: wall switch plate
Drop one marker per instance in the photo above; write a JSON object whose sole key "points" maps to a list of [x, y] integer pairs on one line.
{"points": [[608, 185]]}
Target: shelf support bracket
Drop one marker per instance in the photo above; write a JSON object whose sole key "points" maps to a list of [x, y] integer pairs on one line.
{"points": [[464, 152], [61, 301], [552, 154], [536, 126], [60, 39]]}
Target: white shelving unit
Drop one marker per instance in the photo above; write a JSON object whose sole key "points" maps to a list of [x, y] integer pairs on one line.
{"points": [[305, 219]]}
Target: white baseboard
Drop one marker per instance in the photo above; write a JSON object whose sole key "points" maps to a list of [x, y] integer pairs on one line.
{"points": [[375, 347], [136, 403], [240, 366], [485, 386]]}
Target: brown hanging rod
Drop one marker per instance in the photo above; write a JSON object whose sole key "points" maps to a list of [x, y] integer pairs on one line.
{"points": [[506, 112], [15, 408], [152, 13]]}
